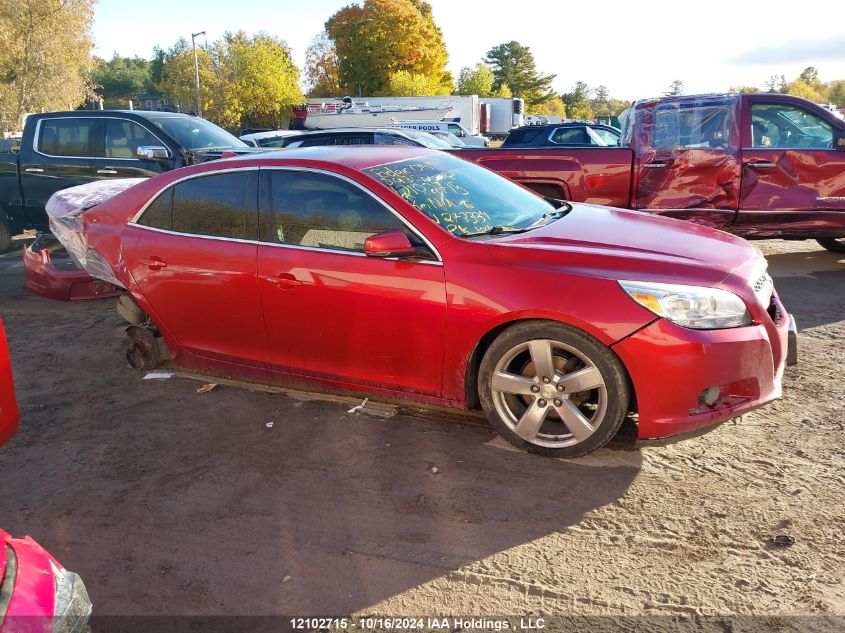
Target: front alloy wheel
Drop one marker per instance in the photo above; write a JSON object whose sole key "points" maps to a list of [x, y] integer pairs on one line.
{"points": [[552, 389]]}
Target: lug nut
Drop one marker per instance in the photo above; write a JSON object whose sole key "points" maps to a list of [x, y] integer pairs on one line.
{"points": [[535, 388], [546, 379], [559, 387], [558, 402], [542, 402]]}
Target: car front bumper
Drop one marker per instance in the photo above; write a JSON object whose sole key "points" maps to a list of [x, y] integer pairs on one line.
{"points": [[62, 279], [672, 368]]}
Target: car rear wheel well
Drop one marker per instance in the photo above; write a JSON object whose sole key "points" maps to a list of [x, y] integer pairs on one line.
{"points": [[473, 400]]}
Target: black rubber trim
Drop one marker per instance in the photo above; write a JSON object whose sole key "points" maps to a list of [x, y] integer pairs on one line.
{"points": [[8, 584]]}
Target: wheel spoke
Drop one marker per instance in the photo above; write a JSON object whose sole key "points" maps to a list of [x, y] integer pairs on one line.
{"points": [[541, 354], [582, 380], [511, 383], [531, 421], [574, 420]]}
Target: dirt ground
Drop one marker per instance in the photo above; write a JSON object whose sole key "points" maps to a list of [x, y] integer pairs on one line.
{"points": [[168, 501]]}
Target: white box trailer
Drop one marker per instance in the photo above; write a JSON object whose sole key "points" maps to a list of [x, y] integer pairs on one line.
{"points": [[505, 113], [465, 109]]}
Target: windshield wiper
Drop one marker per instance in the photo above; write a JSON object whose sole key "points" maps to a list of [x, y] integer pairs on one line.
{"points": [[496, 230], [551, 216]]}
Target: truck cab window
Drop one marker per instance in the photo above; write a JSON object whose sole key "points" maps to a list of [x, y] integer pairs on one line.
{"points": [[124, 137], [778, 125], [67, 137]]}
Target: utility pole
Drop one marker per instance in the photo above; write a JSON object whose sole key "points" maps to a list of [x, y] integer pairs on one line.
{"points": [[197, 71]]}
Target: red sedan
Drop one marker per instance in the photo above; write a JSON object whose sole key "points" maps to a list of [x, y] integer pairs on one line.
{"points": [[409, 273]]}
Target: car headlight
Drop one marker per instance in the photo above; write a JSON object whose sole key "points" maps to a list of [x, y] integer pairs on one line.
{"points": [[73, 607], [696, 307]]}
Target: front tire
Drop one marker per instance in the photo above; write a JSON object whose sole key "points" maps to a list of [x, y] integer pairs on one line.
{"points": [[552, 389], [833, 244], [5, 235]]}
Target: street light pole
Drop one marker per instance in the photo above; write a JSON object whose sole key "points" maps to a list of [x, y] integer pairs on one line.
{"points": [[197, 71]]}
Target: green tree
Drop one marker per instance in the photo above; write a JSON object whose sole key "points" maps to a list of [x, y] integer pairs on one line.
{"points": [[578, 105], [513, 66], [378, 38], [322, 70], [476, 80], [676, 88], [776, 83], [121, 78], [836, 92], [45, 56], [600, 103]]}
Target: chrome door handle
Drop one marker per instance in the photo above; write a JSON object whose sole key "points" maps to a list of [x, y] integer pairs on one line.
{"points": [[760, 165], [34, 170], [107, 170], [654, 165]]}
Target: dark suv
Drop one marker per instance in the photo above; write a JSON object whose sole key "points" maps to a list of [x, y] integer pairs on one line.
{"points": [[563, 135]]}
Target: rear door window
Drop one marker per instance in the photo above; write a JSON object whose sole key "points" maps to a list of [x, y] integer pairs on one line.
{"points": [[569, 136], [321, 211], [339, 139], [73, 137], [691, 126], [216, 205]]}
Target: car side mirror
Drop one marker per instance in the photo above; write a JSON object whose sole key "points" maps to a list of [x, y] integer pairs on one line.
{"points": [[389, 244], [152, 152]]}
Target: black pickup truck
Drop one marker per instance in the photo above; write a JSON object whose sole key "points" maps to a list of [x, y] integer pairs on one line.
{"points": [[65, 149]]}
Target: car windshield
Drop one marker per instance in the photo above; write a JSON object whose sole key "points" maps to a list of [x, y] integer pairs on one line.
{"points": [[194, 133], [426, 140], [462, 197]]}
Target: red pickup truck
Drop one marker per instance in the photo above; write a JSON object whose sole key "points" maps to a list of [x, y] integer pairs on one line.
{"points": [[757, 165]]}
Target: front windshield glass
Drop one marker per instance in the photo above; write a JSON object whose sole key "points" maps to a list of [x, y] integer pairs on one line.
{"points": [[460, 196], [194, 133], [426, 140]]}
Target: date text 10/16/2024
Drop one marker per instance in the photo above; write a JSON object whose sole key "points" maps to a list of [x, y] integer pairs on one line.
{"points": [[418, 624]]}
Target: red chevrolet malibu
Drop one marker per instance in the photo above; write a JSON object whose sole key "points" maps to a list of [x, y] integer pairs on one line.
{"points": [[409, 273]]}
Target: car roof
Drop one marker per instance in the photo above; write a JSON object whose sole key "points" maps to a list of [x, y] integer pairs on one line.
{"points": [[545, 126], [147, 114], [355, 156], [271, 134], [391, 130]]}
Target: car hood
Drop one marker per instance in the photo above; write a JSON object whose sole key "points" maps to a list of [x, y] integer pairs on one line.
{"points": [[622, 244]]}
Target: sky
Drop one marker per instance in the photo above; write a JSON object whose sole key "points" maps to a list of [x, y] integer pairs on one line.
{"points": [[636, 49]]}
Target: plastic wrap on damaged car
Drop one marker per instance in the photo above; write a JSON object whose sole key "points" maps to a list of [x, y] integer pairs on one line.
{"points": [[65, 208], [687, 151]]}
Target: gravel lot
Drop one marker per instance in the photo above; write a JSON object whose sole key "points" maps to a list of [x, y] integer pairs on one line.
{"points": [[169, 501]]}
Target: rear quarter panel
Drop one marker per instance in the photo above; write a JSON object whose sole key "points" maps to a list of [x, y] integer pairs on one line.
{"points": [[597, 175]]}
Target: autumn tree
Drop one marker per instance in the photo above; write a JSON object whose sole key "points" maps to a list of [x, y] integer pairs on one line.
{"points": [[513, 66], [379, 38], [553, 106], [836, 92], [406, 84], [245, 81], [45, 56], [256, 83], [676, 89], [322, 70], [600, 102], [776, 83], [121, 79], [743, 89], [476, 80], [177, 76]]}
